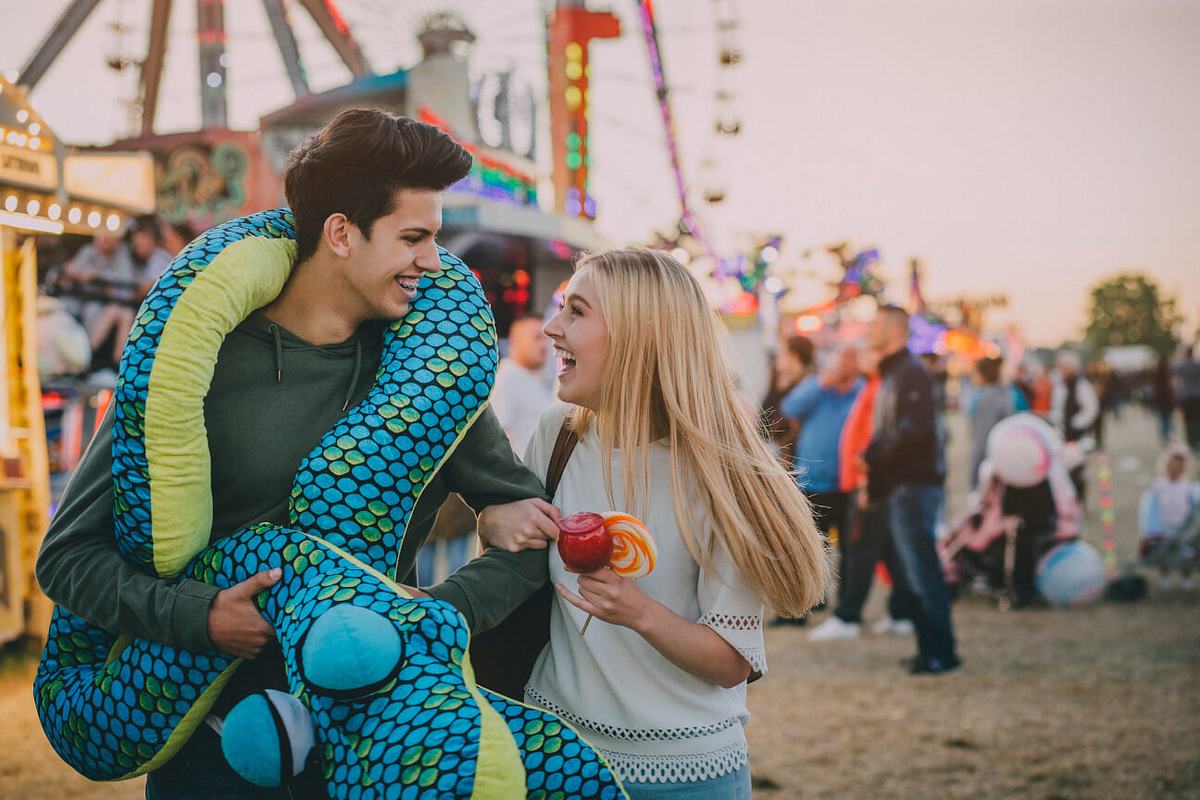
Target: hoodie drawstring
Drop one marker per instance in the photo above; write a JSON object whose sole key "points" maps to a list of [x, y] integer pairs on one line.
{"points": [[357, 371], [274, 329]]}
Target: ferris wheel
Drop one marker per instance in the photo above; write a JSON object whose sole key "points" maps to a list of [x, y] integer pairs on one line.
{"points": [[319, 41], [365, 37]]}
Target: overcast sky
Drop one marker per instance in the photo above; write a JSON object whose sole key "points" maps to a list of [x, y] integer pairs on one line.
{"points": [[1028, 147]]}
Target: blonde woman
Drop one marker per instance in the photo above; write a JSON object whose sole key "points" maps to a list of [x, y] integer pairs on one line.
{"points": [[658, 682]]}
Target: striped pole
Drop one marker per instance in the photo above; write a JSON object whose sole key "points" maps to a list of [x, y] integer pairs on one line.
{"points": [[1107, 515]]}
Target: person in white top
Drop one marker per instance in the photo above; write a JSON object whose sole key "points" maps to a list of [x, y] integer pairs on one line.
{"points": [[658, 682], [522, 392], [1074, 406]]}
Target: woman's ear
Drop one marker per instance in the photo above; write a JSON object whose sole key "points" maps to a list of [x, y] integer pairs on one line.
{"points": [[336, 234]]}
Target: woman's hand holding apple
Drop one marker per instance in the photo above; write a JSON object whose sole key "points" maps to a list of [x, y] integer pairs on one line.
{"points": [[606, 595]]}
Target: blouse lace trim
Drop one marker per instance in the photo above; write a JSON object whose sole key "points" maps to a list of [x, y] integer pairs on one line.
{"points": [[668, 769], [631, 734], [731, 622]]}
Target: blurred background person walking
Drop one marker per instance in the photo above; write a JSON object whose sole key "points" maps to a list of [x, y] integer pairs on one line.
{"points": [[1074, 408], [906, 470], [1188, 376], [820, 404], [791, 364], [865, 541], [1164, 397], [992, 402]]}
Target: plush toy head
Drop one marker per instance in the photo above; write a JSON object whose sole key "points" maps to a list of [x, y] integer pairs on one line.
{"points": [[267, 738]]}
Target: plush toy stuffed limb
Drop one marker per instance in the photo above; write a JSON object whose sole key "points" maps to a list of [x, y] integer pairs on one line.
{"points": [[380, 680]]}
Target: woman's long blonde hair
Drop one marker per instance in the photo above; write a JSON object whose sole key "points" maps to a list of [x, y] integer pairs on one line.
{"points": [[666, 379]]}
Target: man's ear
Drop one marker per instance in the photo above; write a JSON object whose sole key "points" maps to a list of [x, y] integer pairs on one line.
{"points": [[337, 234]]}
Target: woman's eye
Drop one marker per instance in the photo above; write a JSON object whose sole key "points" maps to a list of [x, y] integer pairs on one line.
{"points": [[575, 311]]}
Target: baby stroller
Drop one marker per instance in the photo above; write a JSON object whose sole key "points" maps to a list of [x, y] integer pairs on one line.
{"points": [[1026, 505]]}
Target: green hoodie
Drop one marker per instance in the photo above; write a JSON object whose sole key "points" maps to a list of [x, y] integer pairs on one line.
{"points": [[273, 397]]}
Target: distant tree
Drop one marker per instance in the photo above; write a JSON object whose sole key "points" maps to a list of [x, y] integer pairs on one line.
{"points": [[1129, 309]]}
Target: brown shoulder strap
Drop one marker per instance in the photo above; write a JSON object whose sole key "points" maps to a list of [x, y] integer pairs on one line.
{"points": [[564, 445]]}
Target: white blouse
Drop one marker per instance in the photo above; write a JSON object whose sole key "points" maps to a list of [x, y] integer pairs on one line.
{"points": [[653, 721]]}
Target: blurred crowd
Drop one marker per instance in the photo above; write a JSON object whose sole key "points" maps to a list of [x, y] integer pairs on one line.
{"points": [[844, 416], [92, 289]]}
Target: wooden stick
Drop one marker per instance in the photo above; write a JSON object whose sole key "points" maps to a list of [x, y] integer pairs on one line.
{"points": [[586, 622]]}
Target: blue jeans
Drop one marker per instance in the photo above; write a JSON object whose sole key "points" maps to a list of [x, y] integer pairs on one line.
{"points": [[867, 543], [731, 786], [912, 515]]}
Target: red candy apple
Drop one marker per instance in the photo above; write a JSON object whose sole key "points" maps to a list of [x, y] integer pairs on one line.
{"points": [[584, 544]]}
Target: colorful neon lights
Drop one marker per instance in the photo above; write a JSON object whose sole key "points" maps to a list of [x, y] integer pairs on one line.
{"points": [[570, 31], [489, 177]]}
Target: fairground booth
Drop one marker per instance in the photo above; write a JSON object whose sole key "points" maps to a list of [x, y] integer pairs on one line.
{"points": [[47, 191]]}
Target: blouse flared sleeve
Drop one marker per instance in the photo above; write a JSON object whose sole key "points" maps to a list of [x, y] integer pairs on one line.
{"points": [[730, 607]]}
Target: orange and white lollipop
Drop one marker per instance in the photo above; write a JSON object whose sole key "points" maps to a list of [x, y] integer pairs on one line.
{"points": [[634, 553]]}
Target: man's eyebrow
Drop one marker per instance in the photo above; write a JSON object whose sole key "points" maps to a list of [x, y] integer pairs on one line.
{"points": [[422, 231]]}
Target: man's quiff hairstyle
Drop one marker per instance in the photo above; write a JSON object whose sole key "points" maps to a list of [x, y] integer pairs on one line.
{"points": [[357, 163]]}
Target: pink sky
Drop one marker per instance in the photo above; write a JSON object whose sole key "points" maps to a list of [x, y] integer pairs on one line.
{"points": [[1021, 146]]}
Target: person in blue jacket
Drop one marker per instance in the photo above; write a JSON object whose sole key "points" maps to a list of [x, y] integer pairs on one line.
{"points": [[821, 403]]}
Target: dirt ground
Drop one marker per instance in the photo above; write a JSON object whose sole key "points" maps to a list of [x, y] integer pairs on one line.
{"points": [[1100, 702]]}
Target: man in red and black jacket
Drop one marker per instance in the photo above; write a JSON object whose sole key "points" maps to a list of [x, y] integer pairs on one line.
{"points": [[905, 471]]}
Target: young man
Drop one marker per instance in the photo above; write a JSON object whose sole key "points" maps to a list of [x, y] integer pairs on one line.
{"points": [[905, 470], [366, 194]]}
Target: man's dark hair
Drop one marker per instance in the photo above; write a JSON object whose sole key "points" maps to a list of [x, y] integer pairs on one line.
{"points": [[894, 313], [988, 368], [801, 347], [356, 164], [147, 224]]}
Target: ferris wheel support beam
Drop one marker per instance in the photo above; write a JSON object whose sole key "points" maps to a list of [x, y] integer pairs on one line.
{"points": [[210, 38], [663, 96], [337, 33], [60, 35], [152, 67], [289, 51]]}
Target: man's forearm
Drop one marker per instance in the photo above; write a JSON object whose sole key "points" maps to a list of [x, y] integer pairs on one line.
{"points": [[94, 581], [80, 568], [489, 588]]}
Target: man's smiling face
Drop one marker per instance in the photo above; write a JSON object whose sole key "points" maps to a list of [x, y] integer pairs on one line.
{"points": [[384, 268]]}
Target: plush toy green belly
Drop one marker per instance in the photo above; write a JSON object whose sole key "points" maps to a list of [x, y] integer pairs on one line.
{"points": [[383, 678]]}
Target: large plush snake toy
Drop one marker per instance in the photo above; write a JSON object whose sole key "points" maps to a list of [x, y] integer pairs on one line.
{"points": [[381, 678]]}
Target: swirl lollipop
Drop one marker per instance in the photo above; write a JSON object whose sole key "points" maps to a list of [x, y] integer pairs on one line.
{"points": [[634, 553], [587, 541]]}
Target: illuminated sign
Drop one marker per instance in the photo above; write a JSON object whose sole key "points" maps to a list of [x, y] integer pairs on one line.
{"points": [[125, 180], [24, 167], [489, 176], [571, 30]]}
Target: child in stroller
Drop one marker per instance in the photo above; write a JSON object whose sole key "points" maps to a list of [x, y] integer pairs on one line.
{"points": [[1025, 506], [1169, 516]]}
